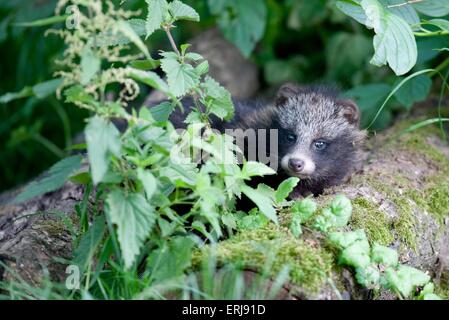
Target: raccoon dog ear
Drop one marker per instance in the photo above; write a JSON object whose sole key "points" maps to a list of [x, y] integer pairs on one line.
{"points": [[287, 91], [350, 111]]}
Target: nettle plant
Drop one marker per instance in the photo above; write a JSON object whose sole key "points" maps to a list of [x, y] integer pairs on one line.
{"points": [[154, 202], [157, 199]]}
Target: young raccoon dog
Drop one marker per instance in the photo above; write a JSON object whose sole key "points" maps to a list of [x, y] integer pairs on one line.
{"points": [[318, 136]]}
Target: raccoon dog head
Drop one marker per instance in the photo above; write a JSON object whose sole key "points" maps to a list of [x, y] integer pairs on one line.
{"points": [[319, 136]]}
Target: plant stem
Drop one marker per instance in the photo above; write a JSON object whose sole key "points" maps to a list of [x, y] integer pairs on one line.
{"points": [[431, 34], [172, 41], [443, 65], [49, 145]]}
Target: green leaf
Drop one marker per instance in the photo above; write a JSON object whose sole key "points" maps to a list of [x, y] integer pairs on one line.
{"points": [[353, 9], [145, 65], [125, 28], [148, 181], [263, 202], [52, 180], [369, 97], [285, 188], [90, 65], [103, 140], [404, 279], [10, 96], [295, 226], [46, 88], [157, 13], [171, 260], [384, 255], [77, 93], [368, 277], [252, 221], [149, 78], [89, 243], [242, 21], [345, 239], [440, 23], [134, 218], [202, 68], [356, 254], [43, 22], [253, 168], [336, 216], [181, 11], [219, 98], [162, 111], [433, 8], [181, 77], [304, 209], [394, 42], [414, 90], [40, 91]]}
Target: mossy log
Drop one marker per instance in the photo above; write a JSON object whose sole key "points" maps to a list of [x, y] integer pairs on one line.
{"points": [[401, 199]]}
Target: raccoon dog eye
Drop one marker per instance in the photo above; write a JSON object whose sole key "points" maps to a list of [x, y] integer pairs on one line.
{"points": [[320, 144], [291, 137]]}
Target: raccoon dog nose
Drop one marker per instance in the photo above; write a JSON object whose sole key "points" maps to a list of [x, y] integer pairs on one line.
{"points": [[296, 165]]}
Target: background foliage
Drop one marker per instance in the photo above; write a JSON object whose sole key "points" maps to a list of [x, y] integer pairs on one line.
{"points": [[290, 40]]}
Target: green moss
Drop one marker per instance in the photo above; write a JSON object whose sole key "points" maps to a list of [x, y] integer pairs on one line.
{"points": [[310, 265], [434, 198], [53, 227], [406, 223], [366, 215], [404, 226]]}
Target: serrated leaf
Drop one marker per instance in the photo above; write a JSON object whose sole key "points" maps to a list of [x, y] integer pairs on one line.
{"points": [[285, 188], [202, 68], [394, 42], [90, 65], [181, 11], [253, 168], [54, 179], [148, 181], [263, 202], [181, 77], [103, 140], [221, 104], [157, 12], [134, 218]]}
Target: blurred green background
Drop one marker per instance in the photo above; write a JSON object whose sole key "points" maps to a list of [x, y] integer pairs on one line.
{"points": [[300, 40]]}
